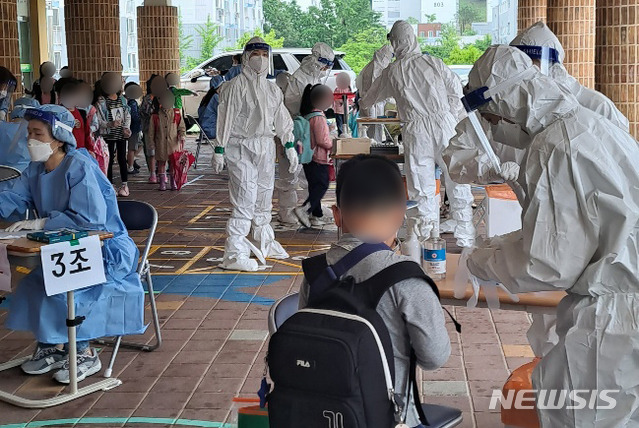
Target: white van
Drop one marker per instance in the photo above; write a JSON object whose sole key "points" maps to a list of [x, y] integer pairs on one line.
{"points": [[284, 59]]}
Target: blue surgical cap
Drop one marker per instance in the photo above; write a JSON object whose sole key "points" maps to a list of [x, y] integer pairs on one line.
{"points": [[21, 105], [59, 118]]}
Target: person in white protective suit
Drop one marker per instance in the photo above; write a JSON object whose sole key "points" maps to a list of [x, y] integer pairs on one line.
{"points": [[251, 113], [580, 228], [428, 96], [538, 37], [381, 59], [314, 68]]}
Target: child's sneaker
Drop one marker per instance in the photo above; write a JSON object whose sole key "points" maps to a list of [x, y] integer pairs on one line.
{"points": [[317, 221], [162, 182], [133, 171], [88, 364], [173, 184], [124, 191], [44, 360], [153, 179]]}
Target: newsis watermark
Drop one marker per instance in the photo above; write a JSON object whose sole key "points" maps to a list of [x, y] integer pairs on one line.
{"points": [[554, 399]]}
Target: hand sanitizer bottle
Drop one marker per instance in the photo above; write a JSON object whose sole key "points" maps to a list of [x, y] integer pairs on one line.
{"points": [[435, 256], [411, 246]]}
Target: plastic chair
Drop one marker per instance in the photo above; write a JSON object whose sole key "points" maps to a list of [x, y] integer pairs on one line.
{"points": [[438, 416], [202, 139], [138, 215], [8, 173]]}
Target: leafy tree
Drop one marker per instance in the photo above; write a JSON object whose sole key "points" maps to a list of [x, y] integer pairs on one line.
{"points": [[466, 55], [448, 42], [412, 21], [185, 44], [269, 38], [484, 43], [208, 32], [333, 22], [450, 51], [466, 15], [360, 48], [430, 18]]}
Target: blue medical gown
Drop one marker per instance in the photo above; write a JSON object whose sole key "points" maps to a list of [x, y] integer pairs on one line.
{"points": [[13, 145], [207, 116], [77, 195]]}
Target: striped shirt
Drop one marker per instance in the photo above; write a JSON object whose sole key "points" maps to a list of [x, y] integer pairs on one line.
{"points": [[115, 111]]}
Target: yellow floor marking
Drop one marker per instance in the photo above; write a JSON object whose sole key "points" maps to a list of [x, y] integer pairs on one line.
{"points": [[284, 263], [204, 212], [191, 262]]}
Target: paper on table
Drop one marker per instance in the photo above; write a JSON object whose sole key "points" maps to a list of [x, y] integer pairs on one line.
{"points": [[4, 235], [5, 269]]}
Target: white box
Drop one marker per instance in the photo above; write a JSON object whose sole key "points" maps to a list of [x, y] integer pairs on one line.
{"points": [[503, 215]]}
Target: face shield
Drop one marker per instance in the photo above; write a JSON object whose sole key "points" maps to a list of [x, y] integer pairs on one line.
{"points": [[479, 99], [259, 57], [59, 130], [546, 56], [326, 67]]}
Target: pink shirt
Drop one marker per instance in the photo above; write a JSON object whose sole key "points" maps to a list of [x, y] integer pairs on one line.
{"points": [[338, 106], [321, 141]]}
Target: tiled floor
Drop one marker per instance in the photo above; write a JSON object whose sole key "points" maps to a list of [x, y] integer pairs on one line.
{"points": [[215, 330]]}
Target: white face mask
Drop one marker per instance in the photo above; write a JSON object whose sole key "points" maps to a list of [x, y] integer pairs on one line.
{"points": [[259, 64], [39, 151]]}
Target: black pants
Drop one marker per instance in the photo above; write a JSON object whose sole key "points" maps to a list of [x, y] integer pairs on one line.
{"points": [[339, 121], [118, 147], [317, 177]]}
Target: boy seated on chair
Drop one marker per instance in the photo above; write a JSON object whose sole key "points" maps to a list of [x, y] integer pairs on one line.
{"points": [[371, 203]]}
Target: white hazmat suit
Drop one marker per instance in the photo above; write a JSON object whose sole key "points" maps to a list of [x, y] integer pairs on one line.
{"points": [[428, 96], [381, 59], [580, 228], [251, 113], [313, 68]]}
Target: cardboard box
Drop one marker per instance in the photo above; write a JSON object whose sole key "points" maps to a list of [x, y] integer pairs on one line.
{"points": [[351, 146]]}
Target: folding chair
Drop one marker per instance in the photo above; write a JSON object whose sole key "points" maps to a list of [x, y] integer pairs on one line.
{"points": [[8, 173], [202, 139], [138, 215], [438, 416]]}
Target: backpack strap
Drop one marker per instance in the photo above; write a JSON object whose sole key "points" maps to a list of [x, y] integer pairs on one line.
{"points": [[322, 276]]}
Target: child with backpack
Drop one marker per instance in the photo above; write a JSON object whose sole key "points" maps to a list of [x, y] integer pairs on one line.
{"points": [[166, 135], [315, 100], [367, 317]]}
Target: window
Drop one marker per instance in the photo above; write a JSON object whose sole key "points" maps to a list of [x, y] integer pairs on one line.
{"points": [[57, 60], [55, 20], [132, 61], [131, 32], [278, 63], [421, 34], [438, 34], [430, 33], [130, 7], [393, 14], [222, 63]]}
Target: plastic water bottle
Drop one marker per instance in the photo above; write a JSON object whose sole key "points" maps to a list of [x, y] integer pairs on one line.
{"points": [[411, 246], [435, 256]]}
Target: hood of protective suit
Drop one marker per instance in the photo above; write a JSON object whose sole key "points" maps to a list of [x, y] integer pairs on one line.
{"points": [[403, 40], [371, 71], [246, 55], [540, 35], [63, 122], [523, 95], [312, 65]]}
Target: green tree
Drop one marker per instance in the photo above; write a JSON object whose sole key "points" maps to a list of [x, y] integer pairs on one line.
{"points": [[210, 39], [466, 15], [185, 44], [412, 21], [430, 18], [333, 22], [269, 38], [360, 48], [484, 43], [466, 55], [449, 41]]}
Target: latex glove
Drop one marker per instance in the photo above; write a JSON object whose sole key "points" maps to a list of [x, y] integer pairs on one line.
{"points": [[478, 259], [294, 161], [37, 224], [217, 163], [509, 171]]}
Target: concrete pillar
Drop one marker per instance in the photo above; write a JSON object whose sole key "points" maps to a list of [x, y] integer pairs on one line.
{"points": [[573, 21], [93, 37], [530, 12], [158, 40], [618, 55], [9, 46]]}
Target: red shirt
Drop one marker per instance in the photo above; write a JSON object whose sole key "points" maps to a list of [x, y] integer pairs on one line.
{"points": [[81, 131]]}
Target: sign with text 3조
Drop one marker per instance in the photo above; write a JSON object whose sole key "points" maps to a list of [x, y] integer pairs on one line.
{"points": [[5, 269], [72, 265]]}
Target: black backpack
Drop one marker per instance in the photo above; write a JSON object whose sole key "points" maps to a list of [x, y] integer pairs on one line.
{"points": [[332, 363]]}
